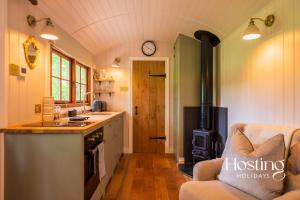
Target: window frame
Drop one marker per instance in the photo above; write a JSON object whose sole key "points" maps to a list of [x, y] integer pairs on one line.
{"points": [[87, 80], [73, 63]]}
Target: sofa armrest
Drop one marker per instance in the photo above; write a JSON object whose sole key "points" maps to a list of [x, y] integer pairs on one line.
{"points": [[295, 194], [207, 170]]}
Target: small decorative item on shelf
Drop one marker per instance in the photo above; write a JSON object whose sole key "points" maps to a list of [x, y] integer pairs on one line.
{"points": [[110, 79], [106, 84], [99, 92], [103, 74], [96, 75]]}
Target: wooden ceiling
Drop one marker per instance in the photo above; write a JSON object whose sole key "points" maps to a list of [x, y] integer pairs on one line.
{"points": [[102, 24]]}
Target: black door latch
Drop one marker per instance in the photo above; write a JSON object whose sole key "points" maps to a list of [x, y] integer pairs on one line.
{"points": [[158, 138]]}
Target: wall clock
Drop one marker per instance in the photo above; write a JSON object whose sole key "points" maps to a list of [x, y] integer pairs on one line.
{"points": [[148, 48]]}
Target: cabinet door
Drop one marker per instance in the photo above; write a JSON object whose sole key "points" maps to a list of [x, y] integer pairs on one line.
{"points": [[108, 148], [113, 136], [117, 132], [120, 136]]}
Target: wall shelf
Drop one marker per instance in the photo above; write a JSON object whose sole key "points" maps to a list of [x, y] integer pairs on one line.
{"points": [[105, 80], [104, 92]]}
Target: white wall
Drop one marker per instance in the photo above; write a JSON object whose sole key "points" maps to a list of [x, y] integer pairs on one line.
{"points": [[121, 100], [3, 90], [24, 93], [18, 95], [260, 79]]}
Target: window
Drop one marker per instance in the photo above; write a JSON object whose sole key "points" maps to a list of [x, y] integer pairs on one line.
{"points": [[81, 82], [64, 72], [60, 78]]}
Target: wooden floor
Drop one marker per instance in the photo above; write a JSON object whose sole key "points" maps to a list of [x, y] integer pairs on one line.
{"points": [[145, 176]]}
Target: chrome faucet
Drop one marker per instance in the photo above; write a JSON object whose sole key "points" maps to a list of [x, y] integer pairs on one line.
{"points": [[83, 101]]}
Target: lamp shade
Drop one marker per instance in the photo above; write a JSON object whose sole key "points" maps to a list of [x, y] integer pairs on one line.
{"points": [[116, 62], [252, 32], [48, 32]]}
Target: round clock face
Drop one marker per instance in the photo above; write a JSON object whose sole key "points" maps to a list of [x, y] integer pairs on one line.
{"points": [[148, 48]]}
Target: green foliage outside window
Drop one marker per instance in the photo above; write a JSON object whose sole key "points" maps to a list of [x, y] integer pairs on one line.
{"points": [[61, 79]]}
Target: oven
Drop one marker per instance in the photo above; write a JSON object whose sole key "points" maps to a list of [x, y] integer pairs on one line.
{"points": [[91, 162]]}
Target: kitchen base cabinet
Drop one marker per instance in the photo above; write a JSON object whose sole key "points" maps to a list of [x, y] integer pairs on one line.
{"points": [[48, 165], [44, 167], [113, 149]]}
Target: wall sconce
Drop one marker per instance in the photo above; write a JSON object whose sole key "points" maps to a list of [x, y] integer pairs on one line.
{"points": [[48, 32], [252, 32], [116, 63]]}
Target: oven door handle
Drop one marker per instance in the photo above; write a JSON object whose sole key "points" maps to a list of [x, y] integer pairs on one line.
{"points": [[93, 151]]}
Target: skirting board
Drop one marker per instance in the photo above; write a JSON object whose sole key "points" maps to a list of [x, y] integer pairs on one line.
{"points": [[170, 151], [181, 160], [126, 150]]}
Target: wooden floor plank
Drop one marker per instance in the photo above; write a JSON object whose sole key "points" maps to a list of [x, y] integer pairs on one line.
{"points": [[145, 176], [125, 191], [161, 190]]}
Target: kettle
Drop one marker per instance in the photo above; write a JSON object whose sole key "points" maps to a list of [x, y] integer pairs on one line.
{"points": [[103, 106], [97, 106]]}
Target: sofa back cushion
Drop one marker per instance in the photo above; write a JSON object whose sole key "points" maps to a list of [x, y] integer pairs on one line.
{"points": [[258, 171], [292, 182], [259, 133]]}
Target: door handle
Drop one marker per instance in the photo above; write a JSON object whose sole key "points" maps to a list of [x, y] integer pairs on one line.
{"points": [[136, 110], [158, 75], [158, 138]]}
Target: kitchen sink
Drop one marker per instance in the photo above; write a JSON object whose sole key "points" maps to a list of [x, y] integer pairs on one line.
{"points": [[58, 124]]}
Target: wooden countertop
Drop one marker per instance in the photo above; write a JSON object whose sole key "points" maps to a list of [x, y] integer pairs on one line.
{"points": [[98, 121]]}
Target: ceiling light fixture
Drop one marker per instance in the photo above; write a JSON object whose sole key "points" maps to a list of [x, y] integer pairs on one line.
{"points": [[116, 63], [48, 32], [252, 32]]}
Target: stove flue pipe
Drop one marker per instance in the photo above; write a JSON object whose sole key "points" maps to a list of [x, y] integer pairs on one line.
{"points": [[208, 41]]}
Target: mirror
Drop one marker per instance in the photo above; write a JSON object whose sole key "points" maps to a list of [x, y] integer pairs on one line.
{"points": [[31, 52]]}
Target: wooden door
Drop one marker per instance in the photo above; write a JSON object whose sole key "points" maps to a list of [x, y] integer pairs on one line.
{"points": [[148, 106]]}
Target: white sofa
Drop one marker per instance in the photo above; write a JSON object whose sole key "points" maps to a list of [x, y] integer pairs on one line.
{"points": [[206, 186]]}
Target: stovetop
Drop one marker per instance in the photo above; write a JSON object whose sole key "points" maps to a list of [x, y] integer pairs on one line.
{"points": [[58, 124]]}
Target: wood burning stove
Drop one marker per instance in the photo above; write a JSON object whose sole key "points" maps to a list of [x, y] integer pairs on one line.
{"points": [[205, 127], [204, 138], [203, 145], [200, 144]]}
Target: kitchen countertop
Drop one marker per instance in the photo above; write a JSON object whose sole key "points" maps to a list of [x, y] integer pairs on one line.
{"points": [[98, 121]]}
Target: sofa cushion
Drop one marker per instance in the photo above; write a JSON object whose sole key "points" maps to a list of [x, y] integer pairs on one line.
{"points": [[209, 190], [252, 170], [294, 159], [259, 133], [293, 195], [293, 169]]}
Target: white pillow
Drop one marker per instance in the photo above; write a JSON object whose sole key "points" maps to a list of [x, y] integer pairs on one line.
{"points": [[259, 172]]}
